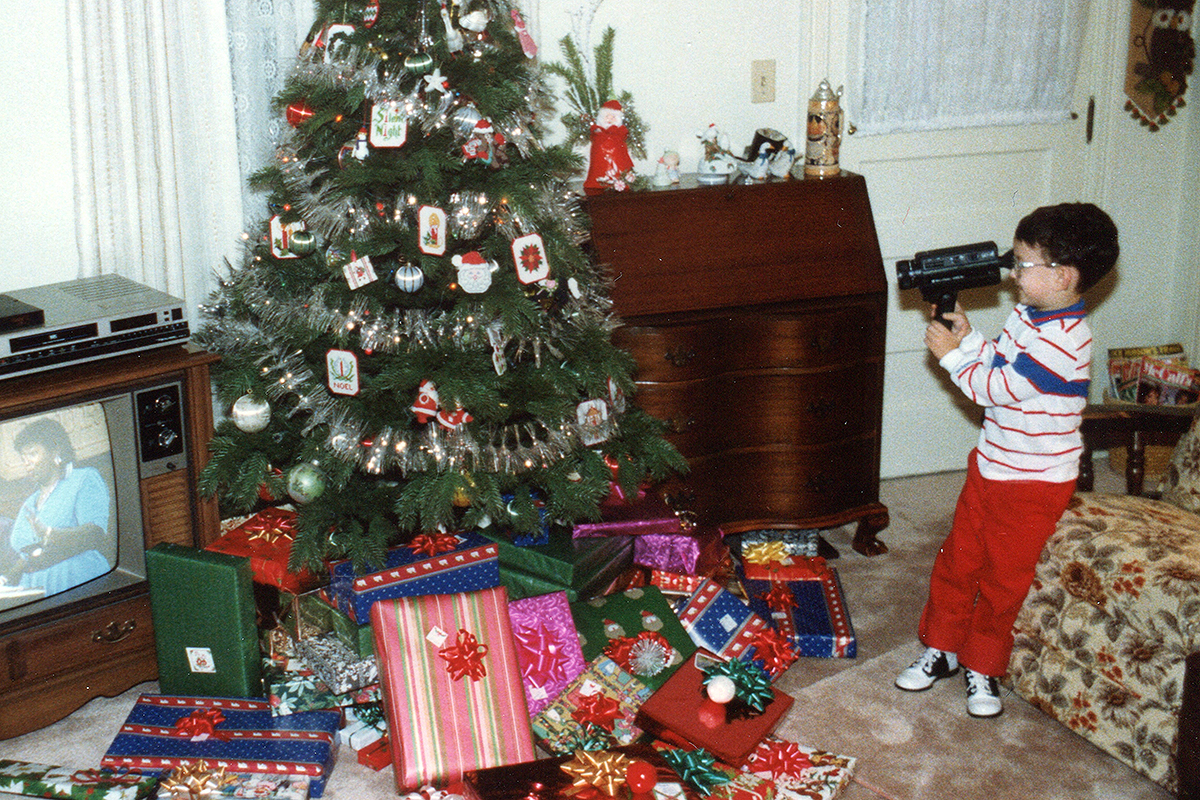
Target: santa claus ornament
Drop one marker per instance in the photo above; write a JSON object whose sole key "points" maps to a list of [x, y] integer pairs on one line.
{"points": [[609, 164]]}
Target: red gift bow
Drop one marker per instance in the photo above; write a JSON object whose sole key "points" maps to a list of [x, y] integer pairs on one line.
{"points": [[124, 776], [774, 650], [779, 758], [201, 722], [270, 527], [464, 658], [433, 544], [779, 597], [598, 709]]}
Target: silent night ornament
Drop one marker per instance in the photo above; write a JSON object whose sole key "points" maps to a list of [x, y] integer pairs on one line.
{"points": [[250, 415]]}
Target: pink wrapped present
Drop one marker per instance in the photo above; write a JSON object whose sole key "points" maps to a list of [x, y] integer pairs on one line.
{"points": [[697, 552], [547, 646], [648, 513], [452, 687]]}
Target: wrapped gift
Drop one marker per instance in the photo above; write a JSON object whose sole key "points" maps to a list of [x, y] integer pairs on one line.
{"points": [[364, 726], [45, 780], [698, 551], [452, 687], [766, 565], [163, 732], [358, 638], [292, 687], [636, 628], [598, 708], [547, 646], [435, 563], [202, 605], [339, 667], [580, 567], [714, 779], [801, 772], [674, 584], [720, 622], [799, 543], [811, 613], [681, 713], [586, 774], [645, 513], [197, 781], [266, 539], [307, 615]]}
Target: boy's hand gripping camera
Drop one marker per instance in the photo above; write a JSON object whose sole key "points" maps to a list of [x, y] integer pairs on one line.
{"points": [[940, 274]]}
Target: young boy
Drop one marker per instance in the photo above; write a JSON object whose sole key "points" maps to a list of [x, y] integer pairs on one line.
{"points": [[1032, 381]]}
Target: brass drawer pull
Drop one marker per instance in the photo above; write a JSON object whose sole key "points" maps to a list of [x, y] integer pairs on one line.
{"points": [[825, 342], [680, 358], [683, 425], [113, 632]]}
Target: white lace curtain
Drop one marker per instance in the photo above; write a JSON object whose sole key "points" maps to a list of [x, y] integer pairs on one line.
{"points": [[933, 64], [154, 153]]}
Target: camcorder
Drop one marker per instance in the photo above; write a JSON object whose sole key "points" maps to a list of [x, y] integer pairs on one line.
{"points": [[942, 274]]}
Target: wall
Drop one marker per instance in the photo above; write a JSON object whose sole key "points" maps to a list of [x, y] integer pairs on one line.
{"points": [[688, 65]]}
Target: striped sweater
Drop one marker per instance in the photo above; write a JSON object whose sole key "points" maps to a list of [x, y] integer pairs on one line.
{"points": [[1033, 384]]}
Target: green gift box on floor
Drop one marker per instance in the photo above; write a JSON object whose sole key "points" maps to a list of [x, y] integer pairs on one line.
{"points": [[636, 628], [359, 638], [582, 568], [202, 604]]}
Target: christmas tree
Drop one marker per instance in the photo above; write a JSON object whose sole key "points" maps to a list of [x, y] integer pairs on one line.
{"points": [[417, 339]]}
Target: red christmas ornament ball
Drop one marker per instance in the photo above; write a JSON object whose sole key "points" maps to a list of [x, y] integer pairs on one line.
{"points": [[641, 777], [298, 113]]}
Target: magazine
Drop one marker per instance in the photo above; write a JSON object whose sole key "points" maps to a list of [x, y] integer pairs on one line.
{"points": [[1164, 383], [1125, 367]]}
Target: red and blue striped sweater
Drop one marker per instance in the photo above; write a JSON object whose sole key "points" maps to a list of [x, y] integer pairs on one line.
{"points": [[1032, 381]]}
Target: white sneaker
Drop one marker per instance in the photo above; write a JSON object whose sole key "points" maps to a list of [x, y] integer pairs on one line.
{"points": [[983, 695], [931, 667]]}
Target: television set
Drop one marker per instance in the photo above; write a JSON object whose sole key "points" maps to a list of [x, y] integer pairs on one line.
{"points": [[70, 495]]}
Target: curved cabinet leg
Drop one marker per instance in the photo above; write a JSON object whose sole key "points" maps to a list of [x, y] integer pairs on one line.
{"points": [[865, 539]]}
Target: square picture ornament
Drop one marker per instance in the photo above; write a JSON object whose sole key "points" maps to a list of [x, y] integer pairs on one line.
{"points": [[431, 222], [592, 416], [529, 253], [341, 367], [359, 272], [389, 124], [281, 237]]}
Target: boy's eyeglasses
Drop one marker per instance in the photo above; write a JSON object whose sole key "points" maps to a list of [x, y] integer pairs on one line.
{"points": [[1013, 264]]}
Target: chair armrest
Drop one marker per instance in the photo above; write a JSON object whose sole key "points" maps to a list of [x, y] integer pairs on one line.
{"points": [[1107, 426], [1187, 757]]}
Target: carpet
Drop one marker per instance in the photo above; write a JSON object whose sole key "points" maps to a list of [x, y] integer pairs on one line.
{"points": [[910, 746]]}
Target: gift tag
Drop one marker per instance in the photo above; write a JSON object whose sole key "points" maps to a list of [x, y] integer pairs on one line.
{"points": [[359, 272], [200, 659], [592, 416], [589, 687], [437, 637], [341, 368], [281, 237], [389, 124], [432, 230], [529, 253]]}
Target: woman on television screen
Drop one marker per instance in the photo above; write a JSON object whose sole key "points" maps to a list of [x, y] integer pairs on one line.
{"points": [[61, 525]]}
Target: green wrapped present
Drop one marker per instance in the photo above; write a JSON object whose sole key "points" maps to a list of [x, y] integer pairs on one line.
{"points": [[44, 780], [636, 628], [292, 687], [202, 604], [359, 638], [582, 568]]}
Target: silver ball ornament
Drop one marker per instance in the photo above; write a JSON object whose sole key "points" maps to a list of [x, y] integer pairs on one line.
{"points": [[250, 414], [305, 483], [409, 278]]}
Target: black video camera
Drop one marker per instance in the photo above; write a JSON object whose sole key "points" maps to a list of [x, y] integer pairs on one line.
{"points": [[940, 274]]}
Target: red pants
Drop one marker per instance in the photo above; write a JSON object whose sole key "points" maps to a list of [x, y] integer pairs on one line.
{"points": [[985, 567]]}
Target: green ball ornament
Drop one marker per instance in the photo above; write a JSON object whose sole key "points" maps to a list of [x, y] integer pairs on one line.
{"points": [[418, 63], [303, 243], [305, 483]]}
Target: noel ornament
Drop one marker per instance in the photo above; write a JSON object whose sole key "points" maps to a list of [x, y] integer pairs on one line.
{"points": [[303, 242], [592, 417], [250, 414], [425, 407], [529, 253], [484, 144], [298, 113], [334, 39], [281, 237], [528, 45], [341, 368], [454, 39], [474, 272]]}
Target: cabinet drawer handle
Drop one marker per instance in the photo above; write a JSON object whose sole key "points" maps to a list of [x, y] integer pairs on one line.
{"points": [[114, 632], [821, 407], [681, 357], [678, 425], [825, 342]]}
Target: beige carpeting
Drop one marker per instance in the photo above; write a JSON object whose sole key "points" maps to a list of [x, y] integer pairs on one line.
{"points": [[920, 746]]}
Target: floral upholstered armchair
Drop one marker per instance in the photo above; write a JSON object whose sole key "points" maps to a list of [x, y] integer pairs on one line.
{"points": [[1104, 637]]}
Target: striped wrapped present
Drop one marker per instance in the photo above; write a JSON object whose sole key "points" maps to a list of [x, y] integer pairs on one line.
{"points": [[453, 695]]}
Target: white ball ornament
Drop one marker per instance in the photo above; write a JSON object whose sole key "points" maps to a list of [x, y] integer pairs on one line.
{"points": [[409, 278], [720, 688], [305, 483], [250, 414]]}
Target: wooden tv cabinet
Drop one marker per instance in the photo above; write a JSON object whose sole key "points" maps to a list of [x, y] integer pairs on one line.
{"points": [[54, 662], [756, 315]]}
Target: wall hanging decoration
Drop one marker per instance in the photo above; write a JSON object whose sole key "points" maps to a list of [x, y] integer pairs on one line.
{"points": [[1161, 55]]}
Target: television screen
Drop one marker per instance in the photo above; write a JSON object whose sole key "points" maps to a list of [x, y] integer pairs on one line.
{"points": [[58, 509]]}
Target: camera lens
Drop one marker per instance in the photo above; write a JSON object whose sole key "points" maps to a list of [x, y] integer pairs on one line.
{"points": [[904, 275]]}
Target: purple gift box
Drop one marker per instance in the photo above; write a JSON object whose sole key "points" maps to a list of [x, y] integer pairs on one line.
{"points": [[163, 732], [646, 514], [547, 647], [688, 553], [439, 563]]}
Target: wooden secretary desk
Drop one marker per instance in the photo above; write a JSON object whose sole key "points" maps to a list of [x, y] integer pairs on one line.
{"points": [[756, 315]]}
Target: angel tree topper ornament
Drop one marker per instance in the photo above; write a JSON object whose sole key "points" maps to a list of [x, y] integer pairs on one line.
{"points": [[609, 165]]}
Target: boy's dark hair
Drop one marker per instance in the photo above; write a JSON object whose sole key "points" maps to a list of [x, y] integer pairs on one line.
{"points": [[1080, 235], [49, 434]]}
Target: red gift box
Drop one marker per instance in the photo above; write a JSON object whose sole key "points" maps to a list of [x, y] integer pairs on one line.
{"points": [[681, 713], [266, 539]]}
